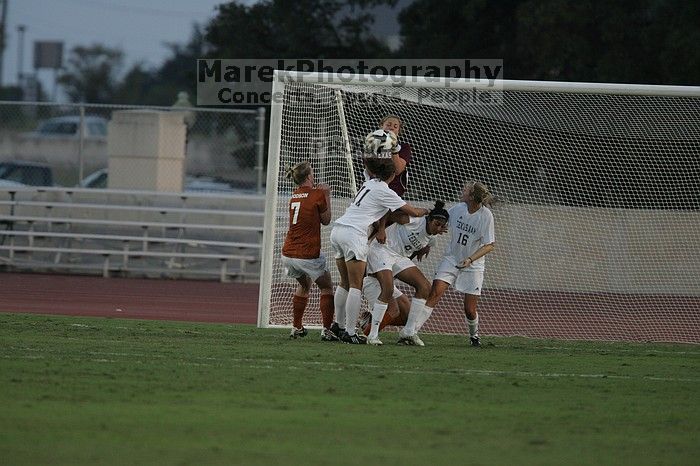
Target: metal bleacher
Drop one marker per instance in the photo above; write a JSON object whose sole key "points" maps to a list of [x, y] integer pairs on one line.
{"points": [[131, 233]]}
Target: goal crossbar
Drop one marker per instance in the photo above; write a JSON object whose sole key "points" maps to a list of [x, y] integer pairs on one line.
{"points": [[484, 84]]}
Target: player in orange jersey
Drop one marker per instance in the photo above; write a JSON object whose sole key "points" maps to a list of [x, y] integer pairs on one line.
{"points": [[309, 207]]}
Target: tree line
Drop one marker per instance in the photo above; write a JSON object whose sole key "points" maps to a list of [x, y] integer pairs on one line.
{"points": [[623, 41]]}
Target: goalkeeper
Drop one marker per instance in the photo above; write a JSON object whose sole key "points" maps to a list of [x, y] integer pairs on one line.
{"points": [[401, 155]]}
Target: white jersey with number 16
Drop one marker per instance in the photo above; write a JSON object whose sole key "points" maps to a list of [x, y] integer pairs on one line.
{"points": [[468, 232], [372, 201]]}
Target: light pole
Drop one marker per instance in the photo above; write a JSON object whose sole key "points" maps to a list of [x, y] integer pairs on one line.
{"points": [[3, 21], [20, 54]]}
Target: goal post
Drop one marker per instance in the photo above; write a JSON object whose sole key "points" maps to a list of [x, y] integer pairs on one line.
{"points": [[597, 185], [269, 247]]}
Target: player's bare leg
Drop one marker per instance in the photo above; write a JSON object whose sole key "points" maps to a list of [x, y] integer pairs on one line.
{"points": [[436, 291], [404, 305], [414, 277], [397, 312]]}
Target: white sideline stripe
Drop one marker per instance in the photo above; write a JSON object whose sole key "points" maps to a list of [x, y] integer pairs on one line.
{"points": [[617, 350], [333, 366], [553, 348], [483, 372]]}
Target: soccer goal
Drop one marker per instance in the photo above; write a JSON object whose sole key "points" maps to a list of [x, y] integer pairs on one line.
{"points": [[598, 195]]}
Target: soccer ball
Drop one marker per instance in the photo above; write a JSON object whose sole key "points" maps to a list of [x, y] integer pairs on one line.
{"points": [[380, 144]]}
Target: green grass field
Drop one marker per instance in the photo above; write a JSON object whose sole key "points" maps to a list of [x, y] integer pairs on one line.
{"points": [[109, 391]]}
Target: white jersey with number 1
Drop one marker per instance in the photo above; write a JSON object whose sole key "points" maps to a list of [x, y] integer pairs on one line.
{"points": [[468, 232], [372, 201]]}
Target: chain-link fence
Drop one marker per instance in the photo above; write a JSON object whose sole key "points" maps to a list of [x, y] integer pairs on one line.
{"points": [[67, 145]]}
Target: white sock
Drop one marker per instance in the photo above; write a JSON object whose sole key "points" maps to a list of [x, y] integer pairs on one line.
{"points": [[378, 311], [425, 315], [352, 309], [414, 314], [341, 295], [473, 326]]}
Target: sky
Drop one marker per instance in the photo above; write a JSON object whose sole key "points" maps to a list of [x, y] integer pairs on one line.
{"points": [[138, 27]]}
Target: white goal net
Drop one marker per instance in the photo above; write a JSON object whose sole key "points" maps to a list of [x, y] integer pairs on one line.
{"points": [[598, 197]]}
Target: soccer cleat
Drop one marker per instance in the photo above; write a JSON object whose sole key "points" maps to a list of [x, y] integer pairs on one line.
{"points": [[409, 340], [327, 335], [336, 330], [374, 341], [404, 339], [475, 341], [416, 340], [298, 332], [354, 339]]}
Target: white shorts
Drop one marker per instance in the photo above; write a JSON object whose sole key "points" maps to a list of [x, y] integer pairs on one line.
{"points": [[371, 289], [349, 243], [297, 268], [381, 257], [466, 280]]}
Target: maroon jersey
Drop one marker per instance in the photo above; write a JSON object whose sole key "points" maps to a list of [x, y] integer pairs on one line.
{"points": [[400, 182]]}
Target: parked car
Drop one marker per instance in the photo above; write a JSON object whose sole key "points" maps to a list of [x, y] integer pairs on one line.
{"points": [[69, 127], [98, 179], [207, 184], [7, 184], [26, 173]]}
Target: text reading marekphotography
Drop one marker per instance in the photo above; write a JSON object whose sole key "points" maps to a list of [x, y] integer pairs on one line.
{"points": [[234, 82]]}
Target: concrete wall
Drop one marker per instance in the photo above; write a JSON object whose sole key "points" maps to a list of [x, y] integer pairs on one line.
{"points": [[593, 249], [146, 150], [551, 248]]}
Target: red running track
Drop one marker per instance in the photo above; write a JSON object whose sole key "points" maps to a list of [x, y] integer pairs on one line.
{"points": [[76, 295], [540, 314]]}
